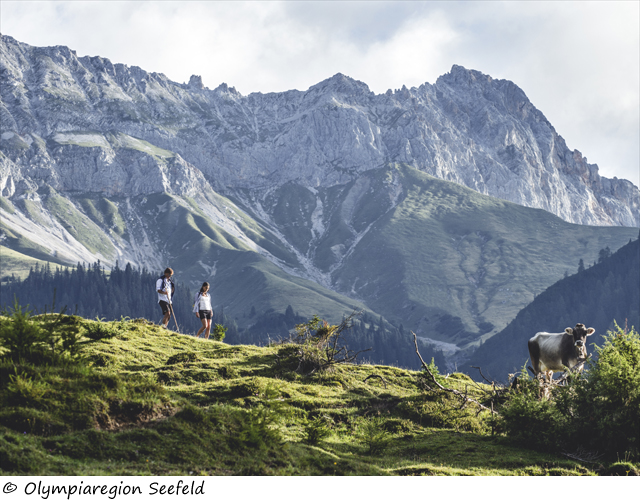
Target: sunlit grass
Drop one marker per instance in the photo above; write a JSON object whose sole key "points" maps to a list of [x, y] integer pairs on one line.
{"points": [[173, 404]]}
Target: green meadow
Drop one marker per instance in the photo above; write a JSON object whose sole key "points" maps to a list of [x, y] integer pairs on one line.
{"points": [[82, 397]]}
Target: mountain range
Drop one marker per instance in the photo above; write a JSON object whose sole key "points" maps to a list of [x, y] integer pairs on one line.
{"points": [[443, 208]]}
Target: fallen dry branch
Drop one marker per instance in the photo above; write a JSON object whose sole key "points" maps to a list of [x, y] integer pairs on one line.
{"points": [[482, 375], [497, 388], [441, 387], [377, 376], [577, 367], [321, 346], [584, 456]]}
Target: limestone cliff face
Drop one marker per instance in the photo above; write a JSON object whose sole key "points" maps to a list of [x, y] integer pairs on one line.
{"points": [[90, 125], [91, 162]]}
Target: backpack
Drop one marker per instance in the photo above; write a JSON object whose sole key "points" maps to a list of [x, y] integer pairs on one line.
{"points": [[164, 284]]}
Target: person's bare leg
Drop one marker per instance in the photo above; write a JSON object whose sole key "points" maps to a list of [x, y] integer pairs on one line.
{"points": [[204, 325], [165, 318]]}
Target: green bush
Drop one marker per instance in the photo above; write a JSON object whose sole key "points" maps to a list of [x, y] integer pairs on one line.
{"points": [[50, 338], [24, 390], [607, 403], [261, 427], [374, 435], [598, 411], [533, 421], [219, 332], [316, 429], [21, 337], [100, 331]]}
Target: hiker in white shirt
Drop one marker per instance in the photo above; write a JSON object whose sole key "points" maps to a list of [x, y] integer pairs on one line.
{"points": [[202, 308], [165, 289]]}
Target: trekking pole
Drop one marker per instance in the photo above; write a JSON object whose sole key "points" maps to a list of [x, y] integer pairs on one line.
{"points": [[174, 317]]}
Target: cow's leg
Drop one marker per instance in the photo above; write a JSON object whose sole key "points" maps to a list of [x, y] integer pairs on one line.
{"points": [[534, 356]]}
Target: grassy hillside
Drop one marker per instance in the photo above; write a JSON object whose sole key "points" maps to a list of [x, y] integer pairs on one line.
{"points": [[149, 401], [21, 252], [16, 264]]}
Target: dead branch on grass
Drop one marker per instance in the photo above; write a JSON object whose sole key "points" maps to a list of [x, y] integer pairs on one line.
{"points": [[377, 376], [321, 345], [580, 455], [465, 397]]}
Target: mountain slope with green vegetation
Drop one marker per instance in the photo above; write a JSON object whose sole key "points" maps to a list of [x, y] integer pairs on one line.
{"points": [[163, 230], [596, 296], [427, 255], [82, 397], [19, 264], [434, 256]]}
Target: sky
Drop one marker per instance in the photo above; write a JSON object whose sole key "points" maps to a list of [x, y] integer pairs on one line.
{"points": [[578, 62]]}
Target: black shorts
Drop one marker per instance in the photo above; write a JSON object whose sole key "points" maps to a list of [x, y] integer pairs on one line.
{"points": [[164, 306], [205, 314]]}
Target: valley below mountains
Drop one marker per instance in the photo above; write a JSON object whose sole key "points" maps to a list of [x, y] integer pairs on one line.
{"points": [[444, 209]]}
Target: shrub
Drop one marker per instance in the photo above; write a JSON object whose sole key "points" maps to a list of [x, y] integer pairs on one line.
{"points": [[48, 337], [219, 332], [63, 331], [373, 433], [316, 429], [261, 428], [424, 378], [608, 401], [99, 331], [598, 411], [21, 337], [23, 390], [321, 345], [534, 422]]}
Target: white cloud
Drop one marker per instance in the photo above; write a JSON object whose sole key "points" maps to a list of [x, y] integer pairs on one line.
{"points": [[578, 62]]}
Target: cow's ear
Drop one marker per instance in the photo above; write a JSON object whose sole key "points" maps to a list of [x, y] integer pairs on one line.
{"points": [[591, 331], [568, 331]]}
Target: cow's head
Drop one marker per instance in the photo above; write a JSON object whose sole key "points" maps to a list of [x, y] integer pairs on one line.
{"points": [[580, 334]]}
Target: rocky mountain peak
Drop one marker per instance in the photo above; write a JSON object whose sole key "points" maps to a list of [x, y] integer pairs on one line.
{"points": [[467, 128], [223, 88], [196, 82], [341, 84], [461, 76]]}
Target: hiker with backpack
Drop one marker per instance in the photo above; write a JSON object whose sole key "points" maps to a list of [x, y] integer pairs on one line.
{"points": [[165, 289], [202, 308]]}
